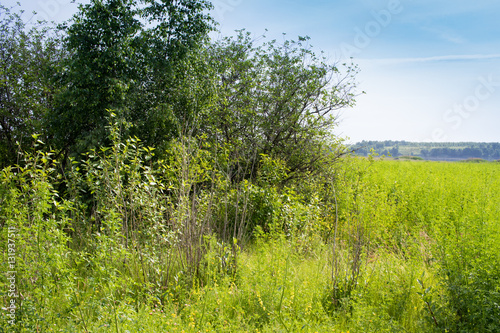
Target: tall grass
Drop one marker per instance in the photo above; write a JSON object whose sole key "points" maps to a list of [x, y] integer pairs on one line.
{"points": [[125, 242]]}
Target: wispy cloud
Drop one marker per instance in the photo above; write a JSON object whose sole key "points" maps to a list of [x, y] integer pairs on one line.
{"points": [[448, 34], [450, 37], [444, 58]]}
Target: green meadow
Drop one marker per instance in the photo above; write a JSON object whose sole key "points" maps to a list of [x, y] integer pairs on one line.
{"points": [[383, 246]]}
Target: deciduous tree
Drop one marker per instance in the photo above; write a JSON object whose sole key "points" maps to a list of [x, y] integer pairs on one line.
{"points": [[29, 56], [277, 99], [128, 56]]}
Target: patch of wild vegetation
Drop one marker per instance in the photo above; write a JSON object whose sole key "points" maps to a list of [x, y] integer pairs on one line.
{"points": [[381, 246], [181, 184]]}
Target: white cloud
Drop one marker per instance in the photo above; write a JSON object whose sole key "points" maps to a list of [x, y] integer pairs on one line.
{"points": [[460, 57]]}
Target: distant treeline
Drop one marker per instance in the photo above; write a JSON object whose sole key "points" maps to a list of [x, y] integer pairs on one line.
{"points": [[430, 150]]}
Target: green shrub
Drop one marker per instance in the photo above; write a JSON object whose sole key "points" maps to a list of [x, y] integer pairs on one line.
{"points": [[34, 244]]}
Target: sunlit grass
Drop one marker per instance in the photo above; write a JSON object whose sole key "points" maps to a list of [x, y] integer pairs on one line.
{"points": [[417, 250]]}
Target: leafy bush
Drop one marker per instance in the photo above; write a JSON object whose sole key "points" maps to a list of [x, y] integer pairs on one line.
{"points": [[34, 243]]}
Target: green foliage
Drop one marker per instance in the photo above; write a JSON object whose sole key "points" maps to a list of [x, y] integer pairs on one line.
{"points": [[452, 228], [380, 246], [277, 100], [34, 243], [29, 58], [247, 215], [128, 55]]}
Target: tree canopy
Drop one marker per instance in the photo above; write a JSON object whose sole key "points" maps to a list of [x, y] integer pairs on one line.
{"points": [[29, 57], [125, 56], [277, 99], [153, 64]]}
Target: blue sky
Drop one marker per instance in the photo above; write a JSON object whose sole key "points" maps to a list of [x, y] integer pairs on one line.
{"points": [[430, 69]]}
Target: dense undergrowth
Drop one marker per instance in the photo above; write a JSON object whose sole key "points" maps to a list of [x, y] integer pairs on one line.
{"points": [[120, 243]]}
